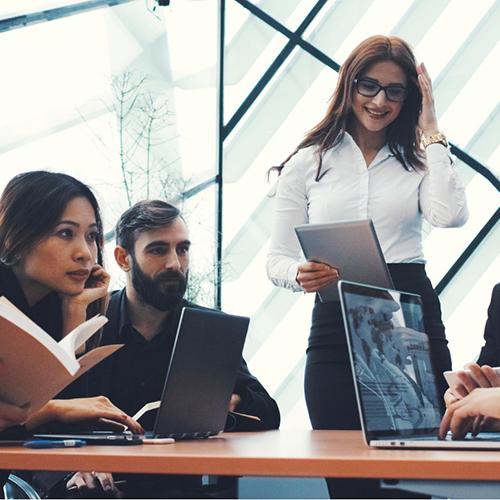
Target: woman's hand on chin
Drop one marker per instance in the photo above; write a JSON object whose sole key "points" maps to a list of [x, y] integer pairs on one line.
{"points": [[96, 287], [74, 307]]}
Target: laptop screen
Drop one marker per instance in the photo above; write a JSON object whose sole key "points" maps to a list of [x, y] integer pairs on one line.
{"points": [[389, 350]]}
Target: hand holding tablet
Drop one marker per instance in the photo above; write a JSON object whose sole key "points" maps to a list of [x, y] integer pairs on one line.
{"points": [[462, 382]]}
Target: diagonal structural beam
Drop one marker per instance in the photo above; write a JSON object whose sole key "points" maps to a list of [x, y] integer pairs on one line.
{"points": [[43, 16], [294, 39]]}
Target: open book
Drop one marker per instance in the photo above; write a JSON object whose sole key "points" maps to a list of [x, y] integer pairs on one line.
{"points": [[34, 366]]}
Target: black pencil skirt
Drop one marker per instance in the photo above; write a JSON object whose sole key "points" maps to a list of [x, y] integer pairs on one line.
{"points": [[328, 384]]}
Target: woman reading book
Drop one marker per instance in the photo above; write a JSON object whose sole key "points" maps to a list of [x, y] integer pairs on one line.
{"points": [[51, 240]]}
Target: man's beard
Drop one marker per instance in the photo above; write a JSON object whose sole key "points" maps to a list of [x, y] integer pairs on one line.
{"points": [[164, 291]]}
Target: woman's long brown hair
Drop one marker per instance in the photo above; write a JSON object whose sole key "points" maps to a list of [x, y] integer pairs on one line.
{"points": [[401, 133], [31, 205]]}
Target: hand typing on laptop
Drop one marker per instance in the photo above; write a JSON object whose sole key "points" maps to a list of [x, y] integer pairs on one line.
{"points": [[80, 409], [462, 415], [473, 377]]}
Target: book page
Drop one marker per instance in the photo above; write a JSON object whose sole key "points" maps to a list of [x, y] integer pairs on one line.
{"points": [[25, 325], [89, 360], [76, 338], [31, 373], [153, 405]]}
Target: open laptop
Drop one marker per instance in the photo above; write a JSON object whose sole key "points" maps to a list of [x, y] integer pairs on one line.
{"points": [[350, 246], [200, 379], [201, 374], [390, 358]]}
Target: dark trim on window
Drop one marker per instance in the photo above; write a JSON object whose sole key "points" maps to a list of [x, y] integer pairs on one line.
{"points": [[43, 16], [460, 262]]}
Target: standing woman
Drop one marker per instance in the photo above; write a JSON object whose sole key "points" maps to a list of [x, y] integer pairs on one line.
{"points": [[364, 159], [51, 240]]}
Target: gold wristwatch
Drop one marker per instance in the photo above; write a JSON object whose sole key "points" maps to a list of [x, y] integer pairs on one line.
{"points": [[438, 137]]}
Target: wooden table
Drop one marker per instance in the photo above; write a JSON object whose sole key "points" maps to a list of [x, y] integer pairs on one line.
{"points": [[274, 453]]}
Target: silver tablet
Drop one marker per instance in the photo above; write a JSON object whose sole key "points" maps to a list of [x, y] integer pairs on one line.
{"points": [[350, 246]]}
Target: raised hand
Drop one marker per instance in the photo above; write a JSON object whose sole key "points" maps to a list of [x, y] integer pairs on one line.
{"points": [[427, 121]]}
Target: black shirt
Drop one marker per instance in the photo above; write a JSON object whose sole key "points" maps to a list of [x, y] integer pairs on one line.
{"points": [[46, 313], [135, 374], [140, 367]]}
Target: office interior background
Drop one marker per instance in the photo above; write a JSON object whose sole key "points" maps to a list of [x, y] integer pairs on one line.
{"points": [[194, 101]]}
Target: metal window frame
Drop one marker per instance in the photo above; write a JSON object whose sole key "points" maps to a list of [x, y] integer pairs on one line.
{"points": [[224, 130], [295, 39], [42, 16]]}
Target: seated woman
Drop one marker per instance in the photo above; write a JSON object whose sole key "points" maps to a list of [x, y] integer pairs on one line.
{"points": [[51, 240]]}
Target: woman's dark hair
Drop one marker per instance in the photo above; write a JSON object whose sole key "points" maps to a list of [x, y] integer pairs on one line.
{"points": [[31, 205], [401, 133]]}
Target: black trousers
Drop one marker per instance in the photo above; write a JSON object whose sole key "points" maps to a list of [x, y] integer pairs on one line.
{"points": [[328, 384]]}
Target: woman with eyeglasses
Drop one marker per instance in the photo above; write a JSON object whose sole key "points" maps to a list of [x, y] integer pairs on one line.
{"points": [[377, 154]]}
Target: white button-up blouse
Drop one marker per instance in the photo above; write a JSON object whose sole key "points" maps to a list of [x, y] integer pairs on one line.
{"points": [[394, 198]]}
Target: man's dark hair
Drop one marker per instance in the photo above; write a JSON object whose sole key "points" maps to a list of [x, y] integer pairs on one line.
{"points": [[144, 216]]}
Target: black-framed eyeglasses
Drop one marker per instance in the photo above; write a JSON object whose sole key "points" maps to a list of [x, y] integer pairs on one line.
{"points": [[369, 88]]}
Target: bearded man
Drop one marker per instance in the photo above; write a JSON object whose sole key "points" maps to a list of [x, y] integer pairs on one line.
{"points": [[153, 250]]}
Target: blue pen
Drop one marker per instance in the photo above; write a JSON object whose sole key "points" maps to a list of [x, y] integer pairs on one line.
{"points": [[55, 443]]}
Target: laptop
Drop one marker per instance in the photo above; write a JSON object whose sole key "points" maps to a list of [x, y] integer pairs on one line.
{"points": [[200, 380], [350, 246], [395, 385], [201, 374]]}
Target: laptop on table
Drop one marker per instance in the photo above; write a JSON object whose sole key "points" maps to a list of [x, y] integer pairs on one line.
{"points": [[200, 379], [201, 374], [395, 385], [350, 246]]}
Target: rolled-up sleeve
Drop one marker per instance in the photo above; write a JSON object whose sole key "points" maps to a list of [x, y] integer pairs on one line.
{"points": [[290, 210], [442, 194]]}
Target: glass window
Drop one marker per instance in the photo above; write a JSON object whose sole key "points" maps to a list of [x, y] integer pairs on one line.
{"points": [[292, 102], [128, 110]]}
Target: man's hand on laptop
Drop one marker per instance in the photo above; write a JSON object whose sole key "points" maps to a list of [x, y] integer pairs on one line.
{"points": [[234, 401], [479, 410], [93, 483], [312, 276]]}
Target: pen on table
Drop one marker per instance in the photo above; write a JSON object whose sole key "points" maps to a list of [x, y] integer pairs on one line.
{"points": [[55, 443]]}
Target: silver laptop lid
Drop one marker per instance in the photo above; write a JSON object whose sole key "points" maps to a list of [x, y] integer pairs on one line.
{"points": [[392, 370], [351, 246]]}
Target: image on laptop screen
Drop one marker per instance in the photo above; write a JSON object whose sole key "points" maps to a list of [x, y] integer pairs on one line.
{"points": [[390, 354]]}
